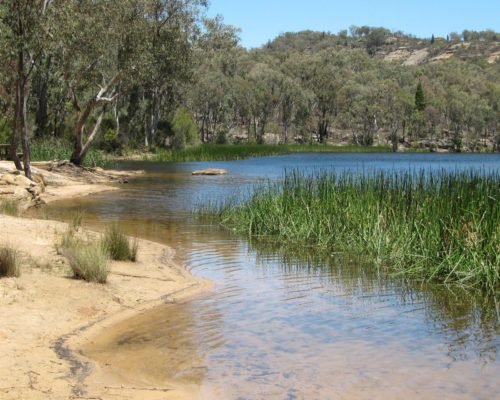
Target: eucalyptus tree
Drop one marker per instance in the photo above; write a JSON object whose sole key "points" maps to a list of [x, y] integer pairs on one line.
{"points": [[26, 31], [98, 48], [265, 92], [213, 96], [172, 26]]}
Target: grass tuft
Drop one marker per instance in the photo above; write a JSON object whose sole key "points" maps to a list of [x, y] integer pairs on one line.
{"points": [[9, 262], [89, 261], [118, 244]]}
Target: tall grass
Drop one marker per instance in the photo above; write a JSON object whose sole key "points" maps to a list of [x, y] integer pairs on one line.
{"points": [[88, 259], [9, 262], [118, 245], [59, 149], [218, 152], [436, 226]]}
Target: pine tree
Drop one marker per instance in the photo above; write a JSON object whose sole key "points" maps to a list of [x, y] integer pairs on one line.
{"points": [[433, 39], [420, 103]]}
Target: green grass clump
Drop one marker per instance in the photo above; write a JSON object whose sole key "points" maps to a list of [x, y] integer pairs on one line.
{"points": [[89, 261], [59, 149], [9, 262], [9, 207], [224, 152], [434, 226], [118, 244]]}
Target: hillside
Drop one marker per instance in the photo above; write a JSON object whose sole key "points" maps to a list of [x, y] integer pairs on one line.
{"points": [[394, 46]]}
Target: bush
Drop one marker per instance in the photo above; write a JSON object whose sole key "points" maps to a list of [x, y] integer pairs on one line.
{"points": [[88, 261], [184, 129], [221, 138], [118, 245], [9, 262]]}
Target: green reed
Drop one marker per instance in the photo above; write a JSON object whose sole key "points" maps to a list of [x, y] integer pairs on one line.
{"points": [[59, 149], [219, 152], [441, 226]]}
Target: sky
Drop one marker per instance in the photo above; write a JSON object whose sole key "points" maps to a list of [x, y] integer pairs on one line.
{"points": [[263, 20]]}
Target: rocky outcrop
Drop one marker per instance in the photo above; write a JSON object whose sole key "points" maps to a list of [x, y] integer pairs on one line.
{"points": [[15, 186]]}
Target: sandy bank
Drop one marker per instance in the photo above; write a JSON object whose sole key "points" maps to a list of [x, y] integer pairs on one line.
{"points": [[47, 315], [55, 181]]}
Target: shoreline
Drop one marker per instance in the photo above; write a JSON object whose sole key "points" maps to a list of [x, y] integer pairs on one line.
{"points": [[47, 316]]}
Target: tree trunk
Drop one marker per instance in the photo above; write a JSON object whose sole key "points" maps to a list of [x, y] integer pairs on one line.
{"points": [[21, 120], [41, 115], [25, 133], [80, 150], [285, 131], [14, 140]]}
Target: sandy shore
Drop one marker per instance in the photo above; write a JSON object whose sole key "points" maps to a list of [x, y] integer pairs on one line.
{"points": [[47, 316]]}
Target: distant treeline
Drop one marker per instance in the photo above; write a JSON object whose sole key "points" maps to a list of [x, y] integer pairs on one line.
{"points": [[157, 72]]}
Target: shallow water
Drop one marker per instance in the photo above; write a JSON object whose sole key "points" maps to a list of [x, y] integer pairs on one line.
{"points": [[279, 326]]}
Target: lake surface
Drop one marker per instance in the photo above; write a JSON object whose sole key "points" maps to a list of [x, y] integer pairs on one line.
{"points": [[281, 326]]}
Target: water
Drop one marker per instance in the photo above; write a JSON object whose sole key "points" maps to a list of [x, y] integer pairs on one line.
{"points": [[279, 326]]}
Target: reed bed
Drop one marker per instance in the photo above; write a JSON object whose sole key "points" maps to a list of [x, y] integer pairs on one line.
{"points": [[442, 226], [218, 152], [54, 149]]}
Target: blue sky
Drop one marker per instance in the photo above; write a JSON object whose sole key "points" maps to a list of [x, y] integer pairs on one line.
{"points": [[262, 20]]}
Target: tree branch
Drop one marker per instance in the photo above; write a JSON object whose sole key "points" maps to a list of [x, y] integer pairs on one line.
{"points": [[95, 130]]}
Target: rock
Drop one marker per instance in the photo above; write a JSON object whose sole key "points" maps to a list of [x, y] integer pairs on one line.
{"points": [[9, 179], [22, 181], [4, 191], [38, 178], [210, 171]]}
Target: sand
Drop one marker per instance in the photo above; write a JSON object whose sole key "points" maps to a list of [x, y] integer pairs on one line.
{"points": [[47, 316]]}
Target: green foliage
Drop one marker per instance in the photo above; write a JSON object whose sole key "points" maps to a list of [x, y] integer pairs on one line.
{"points": [[110, 141], [88, 258], [89, 261], [58, 149], [435, 226], [5, 130], [420, 102], [221, 137], [9, 262], [184, 129], [118, 245], [214, 152]]}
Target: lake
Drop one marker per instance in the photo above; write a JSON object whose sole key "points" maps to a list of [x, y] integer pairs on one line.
{"points": [[292, 326]]}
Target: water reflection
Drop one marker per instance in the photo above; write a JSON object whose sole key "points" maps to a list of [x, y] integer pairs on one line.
{"points": [[287, 324]]}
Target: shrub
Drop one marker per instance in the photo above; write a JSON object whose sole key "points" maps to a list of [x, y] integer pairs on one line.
{"points": [[185, 129], [9, 262], [118, 244]]}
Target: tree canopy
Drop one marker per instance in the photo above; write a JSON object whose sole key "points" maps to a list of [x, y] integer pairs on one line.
{"points": [[147, 70]]}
